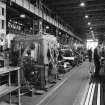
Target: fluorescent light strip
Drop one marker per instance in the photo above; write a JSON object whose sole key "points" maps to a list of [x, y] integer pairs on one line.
{"points": [[98, 95]]}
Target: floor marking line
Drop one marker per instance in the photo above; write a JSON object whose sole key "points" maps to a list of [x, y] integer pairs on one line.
{"points": [[88, 95], [92, 93], [56, 88], [98, 95]]}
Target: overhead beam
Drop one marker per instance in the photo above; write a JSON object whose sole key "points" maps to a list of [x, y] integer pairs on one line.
{"points": [[96, 9], [57, 2], [68, 8], [76, 6], [93, 19], [97, 25], [97, 14], [67, 13], [61, 2], [98, 28], [97, 20]]}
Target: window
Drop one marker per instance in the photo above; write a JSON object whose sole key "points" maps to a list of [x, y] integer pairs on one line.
{"points": [[2, 24], [2, 11]]}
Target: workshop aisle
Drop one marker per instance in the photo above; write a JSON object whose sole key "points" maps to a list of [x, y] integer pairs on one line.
{"points": [[70, 91]]}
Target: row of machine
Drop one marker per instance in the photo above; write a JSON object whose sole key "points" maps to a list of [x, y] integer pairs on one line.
{"points": [[40, 58]]}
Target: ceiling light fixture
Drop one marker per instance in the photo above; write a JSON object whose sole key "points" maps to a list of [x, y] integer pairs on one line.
{"points": [[90, 28], [82, 4], [30, 28], [47, 27], [22, 15], [86, 16], [89, 23]]}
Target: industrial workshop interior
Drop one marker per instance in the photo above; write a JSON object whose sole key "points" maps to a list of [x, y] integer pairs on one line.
{"points": [[52, 52]]}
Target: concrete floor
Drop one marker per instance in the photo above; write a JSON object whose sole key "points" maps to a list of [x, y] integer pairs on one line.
{"points": [[69, 91]]}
